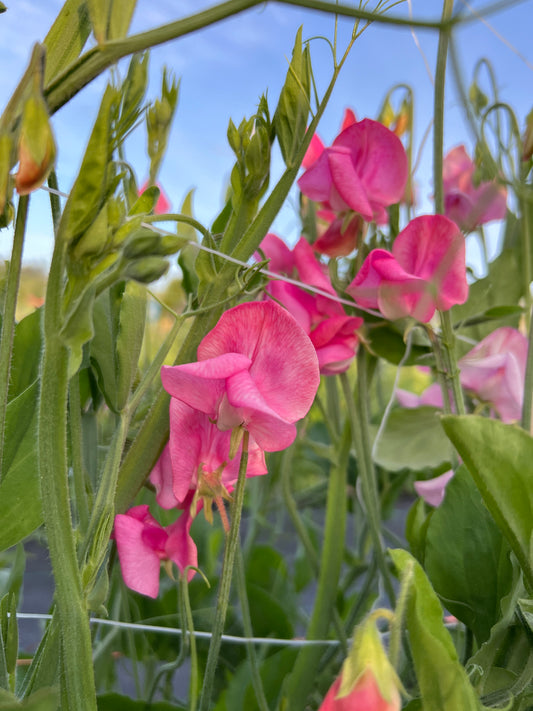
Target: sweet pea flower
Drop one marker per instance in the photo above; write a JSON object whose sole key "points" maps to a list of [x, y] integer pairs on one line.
{"points": [[365, 170], [465, 204], [494, 371], [142, 545], [433, 490], [426, 271], [197, 459], [256, 368], [316, 146], [431, 396], [331, 331], [368, 681]]}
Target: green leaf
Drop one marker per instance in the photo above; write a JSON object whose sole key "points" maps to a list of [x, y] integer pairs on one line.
{"points": [[292, 112], [500, 459], [99, 13], [120, 18], [78, 327], [27, 346], [66, 38], [89, 191], [466, 557], [388, 343], [20, 416], [413, 439], [443, 682]]}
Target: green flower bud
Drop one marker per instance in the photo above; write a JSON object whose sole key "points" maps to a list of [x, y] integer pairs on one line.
{"points": [[146, 270], [36, 148]]}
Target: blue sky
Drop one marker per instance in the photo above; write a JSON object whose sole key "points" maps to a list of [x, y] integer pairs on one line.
{"points": [[225, 68]]}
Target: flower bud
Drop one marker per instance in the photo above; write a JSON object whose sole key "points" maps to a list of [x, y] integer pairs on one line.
{"points": [[36, 149], [367, 680], [146, 270]]}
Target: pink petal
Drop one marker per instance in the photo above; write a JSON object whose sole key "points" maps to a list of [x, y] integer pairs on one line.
{"points": [[181, 548], [201, 384], [339, 239], [316, 182], [313, 152], [284, 363], [162, 205], [281, 257], [271, 432], [138, 561], [432, 247], [433, 490], [161, 477], [310, 270], [349, 184]]}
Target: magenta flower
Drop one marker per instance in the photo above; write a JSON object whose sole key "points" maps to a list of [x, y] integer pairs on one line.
{"points": [[142, 545], [316, 146], [494, 371], [365, 696], [197, 458], [365, 170], [257, 369], [332, 332], [433, 490], [426, 271], [464, 203]]}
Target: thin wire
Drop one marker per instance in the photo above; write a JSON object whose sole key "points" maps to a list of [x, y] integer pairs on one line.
{"points": [[231, 639], [419, 46], [268, 273], [495, 32]]}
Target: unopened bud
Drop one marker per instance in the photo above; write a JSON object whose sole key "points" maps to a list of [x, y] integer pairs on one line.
{"points": [[36, 149], [6, 143], [146, 270]]}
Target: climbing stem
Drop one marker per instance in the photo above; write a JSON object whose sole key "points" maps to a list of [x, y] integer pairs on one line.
{"points": [[230, 549]]}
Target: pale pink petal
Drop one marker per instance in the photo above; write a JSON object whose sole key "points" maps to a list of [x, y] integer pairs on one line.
{"points": [[316, 182], [433, 490], [432, 396], [310, 270], [180, 547]]}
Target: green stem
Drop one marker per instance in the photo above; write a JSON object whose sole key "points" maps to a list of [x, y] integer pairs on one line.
{"points": [[76, 447], [452, 370], [300, 682], [438, 106], [193, 695], [369, 491], [240, 580], [312, 557], [8, 315], [232, 542], [78, 678]]}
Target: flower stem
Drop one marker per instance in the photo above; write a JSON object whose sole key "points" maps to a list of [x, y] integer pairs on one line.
{"points": [[528, 383], [232, 542], [300, 681], [8, 316], [358, 419], [450, 362]]}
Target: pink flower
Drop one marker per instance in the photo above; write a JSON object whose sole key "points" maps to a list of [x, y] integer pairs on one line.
{"points": [[142, 545], [197, 457], [426, 271], [257, 369], [365, 696], [465, 204], [163, 203], [340, 235], [331, 331], [433, 490], [431, 396], [316, 146], [494, 371], [365, 170]]}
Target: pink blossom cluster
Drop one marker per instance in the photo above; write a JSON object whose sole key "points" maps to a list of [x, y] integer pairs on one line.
{"points": [[332, 332], [257, 370], [362, 173]]}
